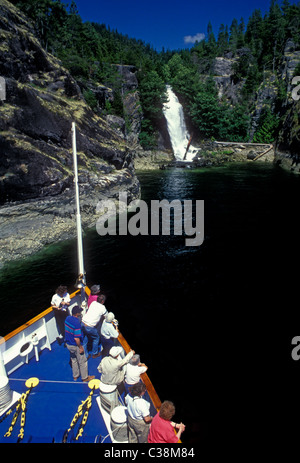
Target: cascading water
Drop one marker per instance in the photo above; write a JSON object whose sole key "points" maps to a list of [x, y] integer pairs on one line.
{"points": [[179, 135]]}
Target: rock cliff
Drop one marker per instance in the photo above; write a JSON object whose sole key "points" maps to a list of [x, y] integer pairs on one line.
{"points": [[288, 142], [36, 177], [270, 94]]}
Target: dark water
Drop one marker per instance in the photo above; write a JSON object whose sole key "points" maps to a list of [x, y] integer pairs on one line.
{"points": [[214, 323]]}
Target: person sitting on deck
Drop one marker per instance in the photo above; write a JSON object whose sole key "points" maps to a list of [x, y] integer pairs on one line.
{"points": [[162, 428], [133, 371], [111, 367], [60, 302], [73, 338], [139, 418], [90, 325], [95, 291], [108, 334]]}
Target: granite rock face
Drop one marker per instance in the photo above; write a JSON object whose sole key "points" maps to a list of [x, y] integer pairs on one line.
{"points": [[27, 226], [36, 167], [288, 142]]}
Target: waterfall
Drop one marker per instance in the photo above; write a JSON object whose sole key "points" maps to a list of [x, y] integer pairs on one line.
{"points": [[179, 135]]}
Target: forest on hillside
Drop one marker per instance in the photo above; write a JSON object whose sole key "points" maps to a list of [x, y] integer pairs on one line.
{"points": [[87, 50]]}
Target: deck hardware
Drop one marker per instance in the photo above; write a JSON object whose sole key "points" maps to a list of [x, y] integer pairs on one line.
{"points": [[21, 407], [83, 407]]}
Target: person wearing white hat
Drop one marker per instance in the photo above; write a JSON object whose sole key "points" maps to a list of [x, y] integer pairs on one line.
{"points": [[111, 367]]}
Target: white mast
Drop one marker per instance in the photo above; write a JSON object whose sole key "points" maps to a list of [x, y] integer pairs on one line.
{"points": [[81, 270]]}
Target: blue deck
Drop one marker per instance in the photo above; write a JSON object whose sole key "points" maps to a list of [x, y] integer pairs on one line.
{"points": [[53, 403]]}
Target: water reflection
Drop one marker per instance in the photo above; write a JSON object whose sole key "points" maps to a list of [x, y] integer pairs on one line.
{"points": [[175, 302]]}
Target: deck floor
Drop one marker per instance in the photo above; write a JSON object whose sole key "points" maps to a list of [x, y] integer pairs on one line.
{"points": [[53, 403]]}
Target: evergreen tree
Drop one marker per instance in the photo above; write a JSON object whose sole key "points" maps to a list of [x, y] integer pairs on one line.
{"points": [[291, 17], [90, 50], [241, 31], [273, 36], [234, 34], [211, 40], [253, 34], [267, 127], [223, 38]]}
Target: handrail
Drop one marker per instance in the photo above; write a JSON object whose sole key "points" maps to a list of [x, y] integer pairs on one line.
{"points": [[32, 321], [145, 378]]}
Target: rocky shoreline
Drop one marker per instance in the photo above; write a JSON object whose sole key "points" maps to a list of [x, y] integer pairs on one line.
{"points": [[209, 154], [42, 99], [27, 227], [36, 167]]}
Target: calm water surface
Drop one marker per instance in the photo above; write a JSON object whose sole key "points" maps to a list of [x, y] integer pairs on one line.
{"points": [[202, 318]]}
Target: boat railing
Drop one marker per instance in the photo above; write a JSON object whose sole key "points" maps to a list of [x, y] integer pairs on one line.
{"points": [[145, 378], [29, 339], [39, 333]]}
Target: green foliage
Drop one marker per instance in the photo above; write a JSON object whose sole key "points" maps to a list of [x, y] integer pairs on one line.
{"points": [[90, 99], [206, 113], [152, 89], [117, 104], [297, 70], [217, 120], [267, 127], [147, 136], [89, 51]]}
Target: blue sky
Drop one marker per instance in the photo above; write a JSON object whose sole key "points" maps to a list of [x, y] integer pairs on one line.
{"points": [[166, 23]]}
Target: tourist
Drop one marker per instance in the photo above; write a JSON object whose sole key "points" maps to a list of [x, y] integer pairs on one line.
{"points": [[73, 338], [95, 291], [108, 333], [90, 325], [162, 429], [60, 303], [111, 367], [133, 371], [139, 418]]}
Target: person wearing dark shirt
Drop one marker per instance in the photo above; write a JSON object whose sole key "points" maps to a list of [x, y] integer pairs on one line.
{"points": [[73, 338]]}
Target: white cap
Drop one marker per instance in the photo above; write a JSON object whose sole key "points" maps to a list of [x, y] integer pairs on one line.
{"points": [[115, 351]]}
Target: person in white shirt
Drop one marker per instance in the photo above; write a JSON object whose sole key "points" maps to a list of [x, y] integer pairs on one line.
{"points": [[60, 303], [139, 418], [108, 334], [133, 371], [90, 325]]}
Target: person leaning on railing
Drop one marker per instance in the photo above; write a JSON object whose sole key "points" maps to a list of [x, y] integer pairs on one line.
{"points": [[108, 333], [111, 367], [162, 428], [60, 304]]}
